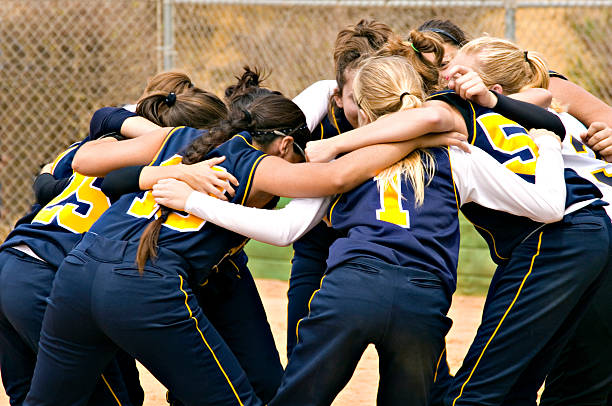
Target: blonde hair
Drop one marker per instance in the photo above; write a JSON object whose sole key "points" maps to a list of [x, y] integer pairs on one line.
{"points": [[383, 85], [500, 61]]}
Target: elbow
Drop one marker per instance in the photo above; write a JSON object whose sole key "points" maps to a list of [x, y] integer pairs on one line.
{"points": [[555, 210], [437, 120], [78, 163]]}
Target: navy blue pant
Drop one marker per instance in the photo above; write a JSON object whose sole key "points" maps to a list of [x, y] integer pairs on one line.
{"points": [[401, 311], [533, 306], [232, 303], [307, 268], [582, 376], [25, 284], [100, 302]]}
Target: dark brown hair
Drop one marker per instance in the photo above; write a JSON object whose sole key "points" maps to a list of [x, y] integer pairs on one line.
{"points": [[262, 112], [448, 31]]}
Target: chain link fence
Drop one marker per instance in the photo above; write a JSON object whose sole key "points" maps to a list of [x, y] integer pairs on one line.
{"points": [[62, 59]]}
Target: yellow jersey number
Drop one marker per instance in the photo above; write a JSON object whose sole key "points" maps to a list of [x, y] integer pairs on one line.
{"points": [[508, 137], [391, 209], [90, 202], [146, 207]]}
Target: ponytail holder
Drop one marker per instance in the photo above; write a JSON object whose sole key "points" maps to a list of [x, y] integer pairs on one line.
{"points": [[526, 58], [402, 96], [190, 85], [170, 99], [415, 50]]}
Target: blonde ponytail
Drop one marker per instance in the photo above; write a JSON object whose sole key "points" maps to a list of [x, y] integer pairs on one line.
{"points": [[383, 85]]}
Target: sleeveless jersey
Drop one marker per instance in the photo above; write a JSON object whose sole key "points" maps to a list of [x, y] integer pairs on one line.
{"points": [[381, 224], [203, 245], [53, 230], [510, 144], [333, 124]]}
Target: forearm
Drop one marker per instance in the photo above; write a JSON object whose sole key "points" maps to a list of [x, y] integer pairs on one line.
{"points": [[277, 177], [581, 104], [46, 187], [528, 115], [277, 227], [537, 95], [136, 126], [401, 126]]}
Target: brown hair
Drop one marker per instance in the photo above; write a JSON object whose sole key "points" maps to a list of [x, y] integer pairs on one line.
{"points": [[413, 50], [356, 41], [262, 112], [502, 62], [171, 99], [447, 30]]}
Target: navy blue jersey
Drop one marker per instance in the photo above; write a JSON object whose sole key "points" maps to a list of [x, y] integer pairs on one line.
{"points": [[203, 245], [383, 225], [510, 145], [333, 124], [554, 74], [53, 230]]}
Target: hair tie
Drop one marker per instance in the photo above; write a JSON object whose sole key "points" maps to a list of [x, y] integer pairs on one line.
{"points": [[190, 85], [402, 96], [443, 33], [170, 99], [415, 50], [526, 58]]}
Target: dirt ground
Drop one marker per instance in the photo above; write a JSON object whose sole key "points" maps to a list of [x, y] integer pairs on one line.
{"points": [[361, 390]]}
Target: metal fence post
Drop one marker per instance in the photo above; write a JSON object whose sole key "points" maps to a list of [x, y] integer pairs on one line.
{"points": [[168, 34], [510, 19]]}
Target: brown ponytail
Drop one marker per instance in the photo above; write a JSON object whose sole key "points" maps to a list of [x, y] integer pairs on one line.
{"points": [[260, 111]]}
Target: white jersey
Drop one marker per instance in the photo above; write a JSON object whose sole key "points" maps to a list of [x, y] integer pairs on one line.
{"points": [[582, 159]]}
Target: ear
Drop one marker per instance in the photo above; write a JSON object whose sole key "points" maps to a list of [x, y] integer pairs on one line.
{"points": [[362, 118], [497, 88], [338, 99], [285, 146]]}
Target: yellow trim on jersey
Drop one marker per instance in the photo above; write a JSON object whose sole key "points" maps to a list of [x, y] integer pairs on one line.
{"points": [[60, 157], [450, 162], [248, 186], [297, 326], [322, 130], [164, 143], [492, 238], [245, 140], [336, 122], [206, 342], [235, 266], [502, 319], [474, 123], [110, 389], [439, 360], [332, 209]]}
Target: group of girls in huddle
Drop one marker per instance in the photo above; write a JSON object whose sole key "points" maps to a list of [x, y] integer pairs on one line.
{"points": [[155, 272]]}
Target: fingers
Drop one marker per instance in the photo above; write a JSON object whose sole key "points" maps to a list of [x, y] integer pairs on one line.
{"points": [[541, 132], [214, 161], [228, 177]]}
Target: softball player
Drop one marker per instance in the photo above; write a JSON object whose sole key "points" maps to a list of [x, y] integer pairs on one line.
{"points": [[530, 277], [310, 251], [161, 305], [394, 268], [39, 246]]}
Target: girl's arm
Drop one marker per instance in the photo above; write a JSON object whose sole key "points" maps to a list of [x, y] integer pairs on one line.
{"points": [[581, 104], [277, 227], [480, 178], [97, 158], [401, 126], [314, 101], [278, 177], [202, 176], [118, 120]]}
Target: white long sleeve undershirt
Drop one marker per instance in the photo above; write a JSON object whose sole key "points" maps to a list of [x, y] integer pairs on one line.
{"points": [[478, 177], [314, 101]]}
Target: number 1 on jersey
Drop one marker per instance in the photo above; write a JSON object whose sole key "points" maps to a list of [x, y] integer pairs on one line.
{"points": [[391, 205]]}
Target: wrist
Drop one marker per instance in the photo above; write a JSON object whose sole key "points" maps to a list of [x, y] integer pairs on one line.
{"points": [[492, 99]]}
